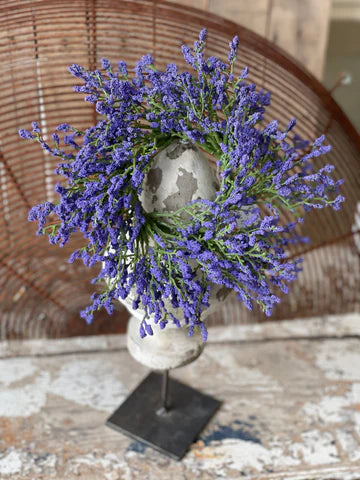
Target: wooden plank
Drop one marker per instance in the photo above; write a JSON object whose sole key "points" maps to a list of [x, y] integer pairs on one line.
{"points": [[327, 326], [299, 27], [252, 15], [348, 10], [290, 410]]}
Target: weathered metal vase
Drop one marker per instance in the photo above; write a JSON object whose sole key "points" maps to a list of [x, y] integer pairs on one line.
{"points": [[179, 174]]}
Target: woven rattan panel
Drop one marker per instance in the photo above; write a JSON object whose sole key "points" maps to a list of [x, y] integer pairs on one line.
{"points": [[40, 293]]}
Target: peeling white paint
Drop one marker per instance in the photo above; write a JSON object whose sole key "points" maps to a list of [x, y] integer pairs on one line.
{"points": [[335, 409], [328, 410], [239, 455], [341, 410], [91, 383], [323, 473], [340, 360], [25, 463], [357, 423], [15, 369], [85, 382], [328, 325], [348, 444], [246, 376], [11, 463], [27, 400], [109, 464], [317, 448]]}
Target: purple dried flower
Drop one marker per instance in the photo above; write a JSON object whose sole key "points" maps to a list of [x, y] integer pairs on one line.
{"points": [[105, 63], [233, 49], [26, 134], [228, 241], [35, 127], [202, 35]]}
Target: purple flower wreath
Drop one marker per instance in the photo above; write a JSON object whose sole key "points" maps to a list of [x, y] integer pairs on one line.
{"points": [[260, 169]]}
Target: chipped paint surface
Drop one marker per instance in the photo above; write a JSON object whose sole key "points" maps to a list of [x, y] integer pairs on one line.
{"points": [[26, 464], [90, 383], [108, 463], [316, 448], [338, 364], [291, 410], [86, 382], [26, 400], [10, 463], [15, 370]]}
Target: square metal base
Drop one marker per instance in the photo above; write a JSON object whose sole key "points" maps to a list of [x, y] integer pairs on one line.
{"points": [[171, 432]]}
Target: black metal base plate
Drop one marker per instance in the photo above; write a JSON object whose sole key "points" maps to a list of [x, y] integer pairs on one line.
{"points": [[171, 432]]}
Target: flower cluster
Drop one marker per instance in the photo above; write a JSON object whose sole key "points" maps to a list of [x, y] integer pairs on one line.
{"points": [[260, 168]]}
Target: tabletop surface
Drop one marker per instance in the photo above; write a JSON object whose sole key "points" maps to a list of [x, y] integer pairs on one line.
{"points": [[290, 393]]}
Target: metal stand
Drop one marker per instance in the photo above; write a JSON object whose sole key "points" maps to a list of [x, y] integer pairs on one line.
{"points": [[164, 414], [165, 405]]}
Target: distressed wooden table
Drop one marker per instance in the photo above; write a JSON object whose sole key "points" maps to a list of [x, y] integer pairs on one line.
{"points": [[291, 410]]}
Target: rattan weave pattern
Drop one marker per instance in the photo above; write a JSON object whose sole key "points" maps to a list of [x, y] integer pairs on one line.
{"points": [[40, 293]]}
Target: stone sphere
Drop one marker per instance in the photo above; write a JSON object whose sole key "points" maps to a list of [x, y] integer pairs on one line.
{"points": [[179, 174]]}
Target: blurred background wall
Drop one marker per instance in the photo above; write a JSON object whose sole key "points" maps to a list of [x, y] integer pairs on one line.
{"points": [[323, 35], [343, 56]]}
